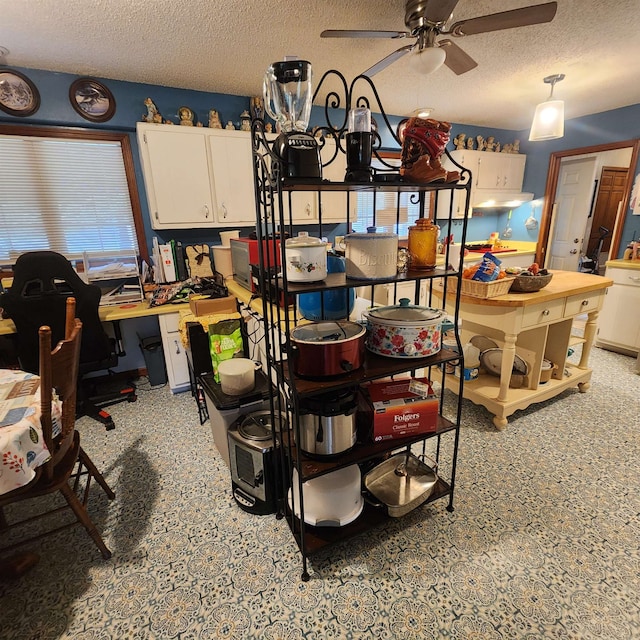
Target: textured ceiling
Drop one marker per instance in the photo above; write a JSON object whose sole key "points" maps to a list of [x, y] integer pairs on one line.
{"points": [[224, 46]]}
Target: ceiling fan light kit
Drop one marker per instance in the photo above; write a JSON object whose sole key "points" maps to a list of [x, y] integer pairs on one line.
{"points": [[428, 60], [548, 120]]}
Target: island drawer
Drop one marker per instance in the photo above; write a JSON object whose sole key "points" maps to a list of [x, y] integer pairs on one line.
{"points": [[582, 303], [542, 313]]}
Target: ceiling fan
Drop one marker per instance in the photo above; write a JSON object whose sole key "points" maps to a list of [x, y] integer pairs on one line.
{"points": [[427, 20]]}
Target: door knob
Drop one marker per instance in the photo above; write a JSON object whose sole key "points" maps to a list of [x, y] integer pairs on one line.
{"points": [[575, 241], [573, 251]]}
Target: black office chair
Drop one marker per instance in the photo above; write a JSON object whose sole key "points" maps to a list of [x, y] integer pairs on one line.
{"points": [[42, 282]]}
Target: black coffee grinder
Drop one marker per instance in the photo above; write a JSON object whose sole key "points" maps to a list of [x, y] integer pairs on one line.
{"points": [[358, 142], [288, 96]]}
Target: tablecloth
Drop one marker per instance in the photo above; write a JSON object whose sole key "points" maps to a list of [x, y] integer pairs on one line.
{"points": [[22, 447]]}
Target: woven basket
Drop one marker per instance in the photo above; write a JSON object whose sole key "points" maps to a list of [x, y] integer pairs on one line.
{"points": [[479, 289]]}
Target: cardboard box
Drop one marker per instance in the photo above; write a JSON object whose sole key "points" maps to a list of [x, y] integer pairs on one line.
{"points": [[399, 413], [205, 306]]}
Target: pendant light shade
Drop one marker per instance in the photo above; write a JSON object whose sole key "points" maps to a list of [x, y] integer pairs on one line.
{"points": [[548, 120]]}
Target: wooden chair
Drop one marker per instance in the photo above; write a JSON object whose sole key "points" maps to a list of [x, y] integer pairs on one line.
{"points": [[68, 462]]}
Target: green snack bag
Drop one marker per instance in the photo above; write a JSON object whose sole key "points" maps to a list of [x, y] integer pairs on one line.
{"points": [[225, 342]]}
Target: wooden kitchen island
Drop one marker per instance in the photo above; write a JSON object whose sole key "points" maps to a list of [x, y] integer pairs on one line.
{"points": [[535, 326]]}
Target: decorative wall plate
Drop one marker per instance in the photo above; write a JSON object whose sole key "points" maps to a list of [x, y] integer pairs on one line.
{"points": [[92, 100], [18, 95]]}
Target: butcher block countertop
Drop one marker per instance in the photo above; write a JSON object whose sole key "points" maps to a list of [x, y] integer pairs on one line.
{"points": [[562, 284]]}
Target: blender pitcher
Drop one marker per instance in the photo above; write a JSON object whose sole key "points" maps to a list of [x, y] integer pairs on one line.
{"points": [[288, 96], [288, 85]]}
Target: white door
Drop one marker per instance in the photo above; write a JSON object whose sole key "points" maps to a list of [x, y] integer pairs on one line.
{"points": [[574, 194]]}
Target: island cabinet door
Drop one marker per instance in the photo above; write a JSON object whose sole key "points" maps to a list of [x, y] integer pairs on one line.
{"points": [[176, 176]]}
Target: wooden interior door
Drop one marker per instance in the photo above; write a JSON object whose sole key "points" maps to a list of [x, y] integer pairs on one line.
{"points": [[610, 192]]}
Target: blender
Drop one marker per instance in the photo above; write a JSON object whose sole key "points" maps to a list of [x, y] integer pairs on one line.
{"points": [[358, 142], [288, 97]]}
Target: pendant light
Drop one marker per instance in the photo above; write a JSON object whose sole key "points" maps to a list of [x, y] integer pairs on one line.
{"points": [[548, 120]]}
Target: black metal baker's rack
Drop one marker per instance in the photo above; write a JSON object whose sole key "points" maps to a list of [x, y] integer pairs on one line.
{"points": [[274, 222]]}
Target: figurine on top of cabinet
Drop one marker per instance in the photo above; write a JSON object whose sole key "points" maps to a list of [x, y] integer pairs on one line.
{"points": [[186, 116], [516, 146], [498, 146], [482, 145], [152, 115], [230, 126], [245, 121], [458, 141], [490, 144], [469, 143], [214, 120], [256, 106], [508, 148]]}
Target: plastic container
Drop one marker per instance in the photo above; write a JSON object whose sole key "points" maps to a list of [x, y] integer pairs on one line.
{"points": [[471, 369], [423, 244], [154, 360], [371, 255]]}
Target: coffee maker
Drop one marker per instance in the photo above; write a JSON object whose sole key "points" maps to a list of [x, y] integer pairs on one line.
{"points": [[288, 96]]}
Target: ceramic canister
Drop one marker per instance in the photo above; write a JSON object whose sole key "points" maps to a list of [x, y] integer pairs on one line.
{"points": [[306, 258], [371, 255]]}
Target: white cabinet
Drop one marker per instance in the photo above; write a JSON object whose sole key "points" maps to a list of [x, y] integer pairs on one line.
{"points": [[232, 169], [176, 176], [175, 356], [618, 326], [197, 177], [491, 173]]}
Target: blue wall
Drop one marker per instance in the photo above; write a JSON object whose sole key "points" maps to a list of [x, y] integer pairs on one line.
{"points": [[56, 110]]}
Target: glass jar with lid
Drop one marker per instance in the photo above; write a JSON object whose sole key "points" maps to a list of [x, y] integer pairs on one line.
{"points": [[423, 244]]}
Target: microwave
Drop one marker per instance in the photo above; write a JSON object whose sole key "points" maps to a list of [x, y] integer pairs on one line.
{"points": [[245, 254]]}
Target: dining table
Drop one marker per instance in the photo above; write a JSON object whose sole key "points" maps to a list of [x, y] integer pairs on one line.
{"points": [[22, 445]]}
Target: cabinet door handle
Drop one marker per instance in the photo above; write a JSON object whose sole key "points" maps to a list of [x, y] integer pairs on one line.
{"points": [[224, 210], [177, 347], [497, 181], [504, 182], [156, 215], [634, 278], [206, 211], [546, 312]]}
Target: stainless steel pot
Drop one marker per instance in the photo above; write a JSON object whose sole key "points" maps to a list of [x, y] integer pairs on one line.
{"points": [[328, 424], [401, 483]]}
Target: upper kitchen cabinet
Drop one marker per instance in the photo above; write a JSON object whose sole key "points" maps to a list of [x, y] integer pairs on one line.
{"points": [[232, 167], [492, 174], [176, 176], [197, 177]]}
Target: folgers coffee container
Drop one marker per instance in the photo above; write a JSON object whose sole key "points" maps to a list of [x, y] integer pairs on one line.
{"points": [[371, 255], [400, 408], [423, 244]]}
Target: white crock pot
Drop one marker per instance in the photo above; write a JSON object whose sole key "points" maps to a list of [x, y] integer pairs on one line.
{"points": [[405, 330], [371, 255], [332, 500], [306, 258]]}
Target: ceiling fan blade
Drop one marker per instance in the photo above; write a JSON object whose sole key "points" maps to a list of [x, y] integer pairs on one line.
{"points": [[433, 11], [457, 60], [385, 62], [523, 17], [346, 33]]}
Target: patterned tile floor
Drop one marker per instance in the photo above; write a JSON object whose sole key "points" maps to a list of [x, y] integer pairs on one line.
{"points": [[543, 543]]}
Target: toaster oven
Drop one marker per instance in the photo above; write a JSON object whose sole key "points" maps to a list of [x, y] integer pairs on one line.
{"points": [[245, 254]]}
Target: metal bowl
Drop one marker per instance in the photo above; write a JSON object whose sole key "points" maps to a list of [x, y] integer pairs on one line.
{"points": [[528, 284]]}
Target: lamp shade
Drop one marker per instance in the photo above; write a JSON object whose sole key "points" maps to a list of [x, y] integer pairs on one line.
{"points": [[428, 60], [548, 121]]}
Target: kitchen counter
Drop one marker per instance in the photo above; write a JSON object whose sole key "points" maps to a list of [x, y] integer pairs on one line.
{"points": [[623, 264], [535, 326]]}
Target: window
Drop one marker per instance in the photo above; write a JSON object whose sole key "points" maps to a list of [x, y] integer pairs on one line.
{"points": [[67, 191], [393, 212]]}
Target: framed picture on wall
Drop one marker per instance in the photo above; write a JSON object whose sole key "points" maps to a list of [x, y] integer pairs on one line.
{"points": [[92, 100], [18, 95]]}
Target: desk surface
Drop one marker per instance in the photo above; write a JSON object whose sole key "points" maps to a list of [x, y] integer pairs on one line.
{"points": [[116, 312]]}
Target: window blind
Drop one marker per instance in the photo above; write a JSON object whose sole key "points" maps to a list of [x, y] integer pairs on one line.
{"points": [[386, 210], [65, 195]]}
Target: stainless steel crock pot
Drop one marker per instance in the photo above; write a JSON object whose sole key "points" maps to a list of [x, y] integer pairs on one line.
{"points": [[328, 423]]}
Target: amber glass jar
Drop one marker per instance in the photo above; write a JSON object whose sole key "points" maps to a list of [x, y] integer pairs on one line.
{"points": [[423, 244]]}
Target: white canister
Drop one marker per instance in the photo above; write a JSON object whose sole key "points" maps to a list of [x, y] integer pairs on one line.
{"points": [[306, 258], [222, 260], [371, 256], [225, 237], [237, 376]]}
